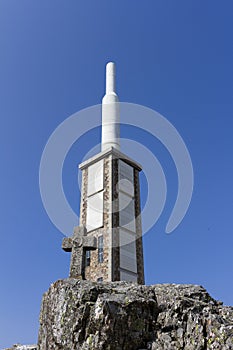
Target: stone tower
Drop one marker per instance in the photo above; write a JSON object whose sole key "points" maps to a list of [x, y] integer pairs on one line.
{"points": [[110, 222]]}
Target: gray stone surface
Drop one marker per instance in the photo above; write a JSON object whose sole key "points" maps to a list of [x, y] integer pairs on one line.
{"points": [[23, 347], [109, 269], [77, 245], [78, 314]]}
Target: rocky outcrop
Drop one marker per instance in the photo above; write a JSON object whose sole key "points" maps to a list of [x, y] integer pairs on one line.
{"points": [[23, 347], [119, 315]]}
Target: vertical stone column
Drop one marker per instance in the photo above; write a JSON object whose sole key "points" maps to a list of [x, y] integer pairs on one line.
{"points": [[139, 245], [99, 270], [115, 222], [110, 268]]}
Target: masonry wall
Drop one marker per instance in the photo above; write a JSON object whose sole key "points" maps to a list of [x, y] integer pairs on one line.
{"points": [[109, 268], [99, 270], [139, 245]]}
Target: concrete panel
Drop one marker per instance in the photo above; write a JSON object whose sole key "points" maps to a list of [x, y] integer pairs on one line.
{"points": [[128, 258], [95, 178], [126, 178], [94, 211], [127, 212], [125, 276]]}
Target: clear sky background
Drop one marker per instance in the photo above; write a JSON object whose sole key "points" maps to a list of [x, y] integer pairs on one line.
{"points": [[174, 56]]}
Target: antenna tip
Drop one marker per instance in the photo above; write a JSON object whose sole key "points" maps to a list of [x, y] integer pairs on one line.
{"points": [[111, 68]]}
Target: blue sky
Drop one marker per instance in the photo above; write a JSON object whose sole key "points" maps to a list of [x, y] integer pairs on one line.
{"points": [[172, 56]]}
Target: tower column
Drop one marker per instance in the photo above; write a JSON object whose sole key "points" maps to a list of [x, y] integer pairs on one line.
{"points": [[110, 205]]}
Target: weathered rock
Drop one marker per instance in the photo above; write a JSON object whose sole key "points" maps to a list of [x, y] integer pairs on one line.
{"points": [[119, 315], [190, 319], [85, 315], [23, 347]]}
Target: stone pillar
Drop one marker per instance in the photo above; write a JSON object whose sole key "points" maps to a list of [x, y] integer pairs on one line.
{"points": [[106, 179]]}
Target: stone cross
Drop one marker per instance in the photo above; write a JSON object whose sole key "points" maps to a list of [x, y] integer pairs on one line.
{"points": [[77, 245]]}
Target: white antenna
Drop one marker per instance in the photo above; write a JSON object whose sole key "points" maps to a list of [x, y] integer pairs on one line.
{"points": [[110, 111]]}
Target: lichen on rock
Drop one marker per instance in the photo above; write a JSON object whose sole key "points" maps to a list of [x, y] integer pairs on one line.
{"points": [[82, 315]]}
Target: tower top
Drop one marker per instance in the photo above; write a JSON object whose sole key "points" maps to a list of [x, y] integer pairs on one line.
{"points": [[110, 78], [110, 111]]}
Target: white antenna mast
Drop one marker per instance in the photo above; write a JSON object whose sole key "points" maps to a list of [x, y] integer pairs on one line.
{"points": [[110, 111]]}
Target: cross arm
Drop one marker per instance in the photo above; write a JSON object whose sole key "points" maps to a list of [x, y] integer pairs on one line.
{"points": [[67, 244], [89, 242]]}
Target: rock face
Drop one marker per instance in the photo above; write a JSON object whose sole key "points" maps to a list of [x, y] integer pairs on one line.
{"points": [[125, 316], [23, 347]]}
